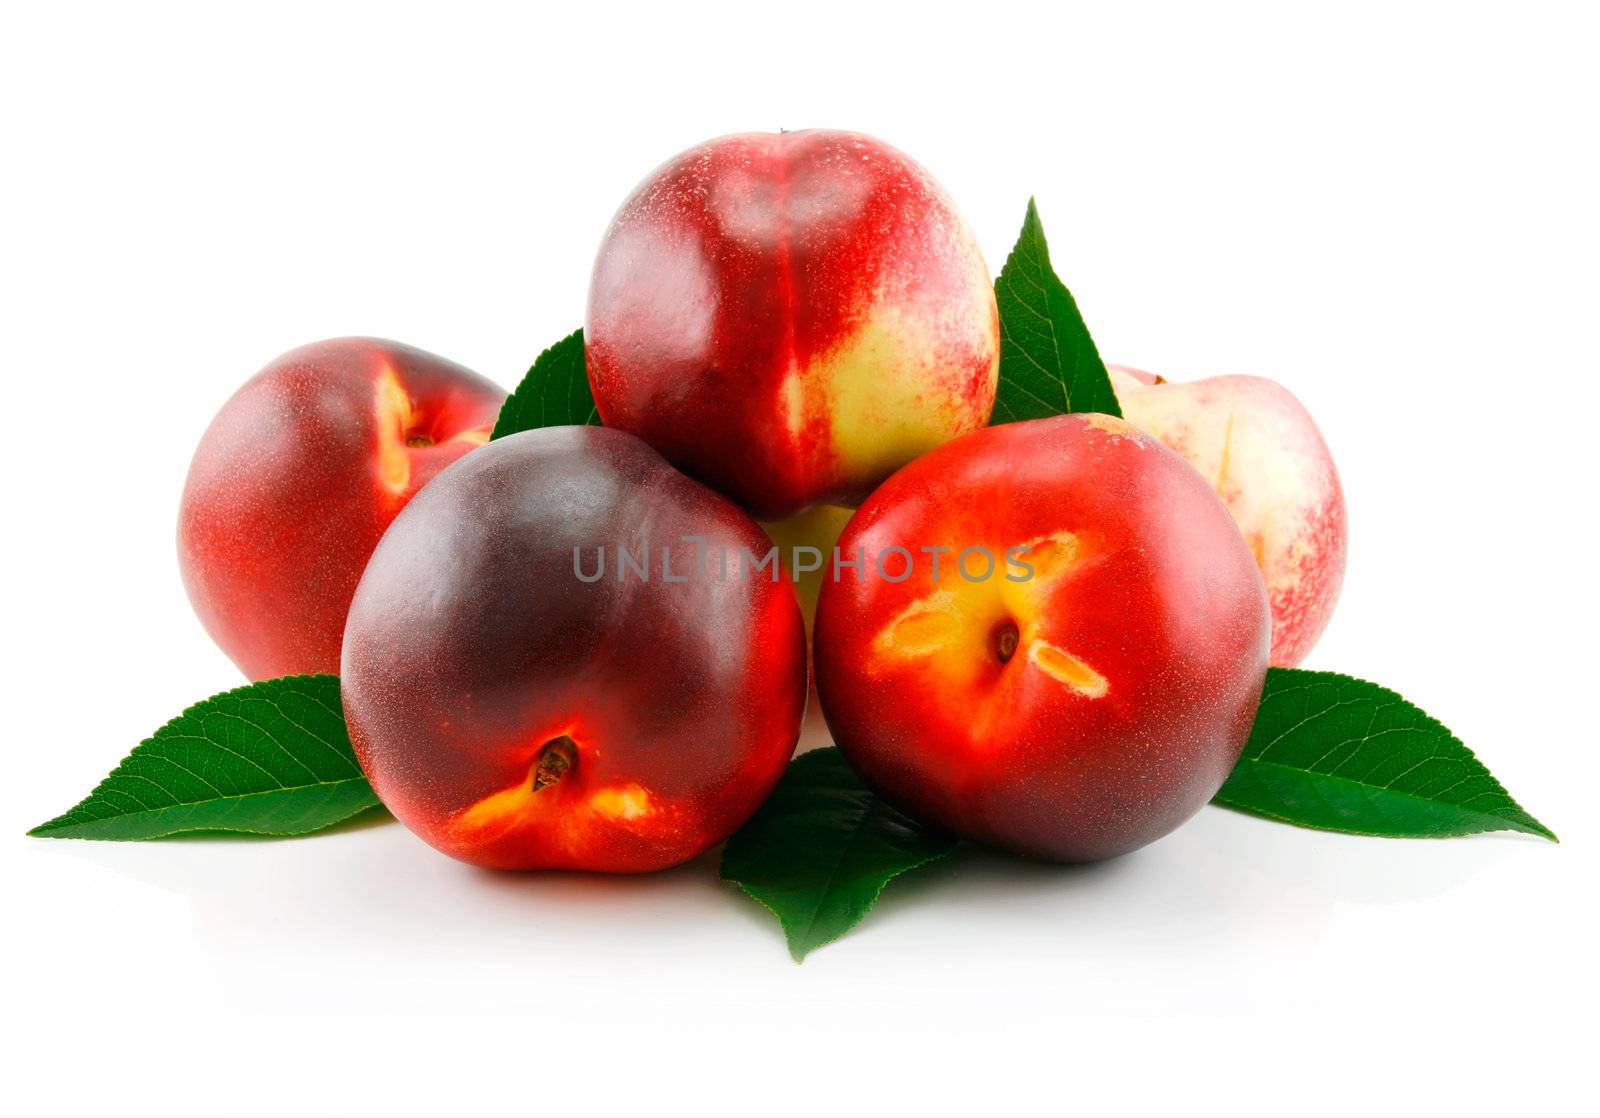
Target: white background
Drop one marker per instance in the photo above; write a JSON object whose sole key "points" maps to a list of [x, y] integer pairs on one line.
{"points": [[1391, 209]]}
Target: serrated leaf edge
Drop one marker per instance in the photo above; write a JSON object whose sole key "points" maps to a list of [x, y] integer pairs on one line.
{"points": [[800, 956], [54, 828], [792, 936], [1500, 822], [1027, 238], [1033, 247], [515, 398]]}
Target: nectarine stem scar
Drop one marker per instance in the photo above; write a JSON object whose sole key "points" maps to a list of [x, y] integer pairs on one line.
{"points": [[1005, 641], [554, 760]]}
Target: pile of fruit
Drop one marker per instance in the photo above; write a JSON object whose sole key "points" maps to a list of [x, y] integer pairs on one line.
{"points": [[563, 638]]}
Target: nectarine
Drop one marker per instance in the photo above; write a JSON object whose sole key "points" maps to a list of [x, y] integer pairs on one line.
{"points": [[791, 317], [522, 699], [1056, 643], [1263, 454], [805, 544], [296, 479]]}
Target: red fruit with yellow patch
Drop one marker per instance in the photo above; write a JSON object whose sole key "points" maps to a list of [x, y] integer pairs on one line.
{"points": [[295, 481], [1095, 689], [518, 712], [792, 317]]}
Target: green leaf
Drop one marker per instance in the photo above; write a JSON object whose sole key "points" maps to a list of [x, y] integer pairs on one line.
{"points": [[272, 758], [1341, 754], [821, 849], [1048, 361], [554, 393]]}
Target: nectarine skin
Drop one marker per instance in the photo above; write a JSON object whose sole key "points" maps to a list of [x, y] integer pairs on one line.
{"points": [[296, 479], [791, 317], [1263, 454], [1074, 713], [517, 716]]}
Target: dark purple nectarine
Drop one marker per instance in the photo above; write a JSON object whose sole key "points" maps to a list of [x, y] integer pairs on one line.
{"points": [[556, 659]]}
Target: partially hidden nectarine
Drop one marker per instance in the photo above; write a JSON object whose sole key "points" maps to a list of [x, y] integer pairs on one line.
{"points": [[1263, 454], [295, 481], [805, 544]]}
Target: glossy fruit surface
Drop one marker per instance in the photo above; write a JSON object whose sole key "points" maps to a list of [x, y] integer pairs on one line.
{"points": [[791, 317], [1094, 688], [1263, 454], [296, 479], [518, 712]]}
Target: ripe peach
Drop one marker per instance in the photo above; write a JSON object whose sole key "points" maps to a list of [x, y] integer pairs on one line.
{"points": [[521, 704], [296, 479], [791, 317], [1263, 454], [1076, 672]]}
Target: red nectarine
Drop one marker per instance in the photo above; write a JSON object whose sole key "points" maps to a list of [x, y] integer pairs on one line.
{"points": [[1065, 654], [296, 479], [791, 317]]}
